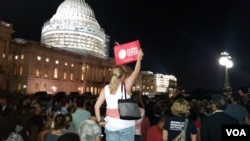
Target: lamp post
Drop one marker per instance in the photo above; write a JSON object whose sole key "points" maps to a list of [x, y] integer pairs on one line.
{"points": [[225, 60]]}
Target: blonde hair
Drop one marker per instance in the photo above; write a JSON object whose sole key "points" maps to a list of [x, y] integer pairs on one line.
{"points": [[180, 107], [117, 73]]}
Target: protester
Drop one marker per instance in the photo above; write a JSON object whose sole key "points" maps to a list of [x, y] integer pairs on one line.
{"points": [[155, 132], [80, 114], [138, 99], [117, 129], [7, 129], [145, 125], [89, 130], [4, 107], [236, 110], [211, 125], [68, 121], [58, 130], [176, 123], [178, 93]]}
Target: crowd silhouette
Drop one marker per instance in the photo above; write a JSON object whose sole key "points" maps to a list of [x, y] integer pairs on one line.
{"points": [[49, 117]]}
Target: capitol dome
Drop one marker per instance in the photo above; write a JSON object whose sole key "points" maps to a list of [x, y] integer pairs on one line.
{"points": [[75, 28]]}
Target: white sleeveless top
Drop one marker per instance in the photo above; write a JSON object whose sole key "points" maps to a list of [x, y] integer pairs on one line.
{"points": [[114, 124]]}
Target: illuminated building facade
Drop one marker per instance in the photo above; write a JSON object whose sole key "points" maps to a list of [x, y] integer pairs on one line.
{"points": [[73, 56], [5, 37], [157, 83], [37, 67], [28, 67], [74, 28]]}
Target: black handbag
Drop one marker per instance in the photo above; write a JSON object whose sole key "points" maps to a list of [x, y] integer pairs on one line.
{"points": [[128, 108]]}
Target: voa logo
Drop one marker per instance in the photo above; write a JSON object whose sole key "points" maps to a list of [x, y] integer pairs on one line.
{"points": [[236, 132]]}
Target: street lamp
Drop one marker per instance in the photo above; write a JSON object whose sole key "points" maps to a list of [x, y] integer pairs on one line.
{"points": [[225, 60], [24, 89]]}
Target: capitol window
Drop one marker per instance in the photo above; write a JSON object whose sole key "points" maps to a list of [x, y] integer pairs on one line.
{"points": [[71, 76], [56, 73], [37, 71], [21, 70], [38, 58], [82, 76], [64, 75], [47, 60], [15, 70], [45, 87]]}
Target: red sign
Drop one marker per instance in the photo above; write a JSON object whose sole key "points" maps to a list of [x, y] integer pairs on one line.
{"points": [[126, 53]]}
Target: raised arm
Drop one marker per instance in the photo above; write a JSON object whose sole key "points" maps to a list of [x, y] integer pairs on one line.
{"points": [[129, 81]]}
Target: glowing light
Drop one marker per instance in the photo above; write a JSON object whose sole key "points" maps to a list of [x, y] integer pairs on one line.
{"points": [[225, 60], [54, 88]]}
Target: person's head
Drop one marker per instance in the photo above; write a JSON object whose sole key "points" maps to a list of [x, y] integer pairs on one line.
{"points": [[69, 136], [89, 130], [136, 95], [90, 107], [228, 91], [27, 100], [193, 114], [161, 121], [235, 97], [248, 119], [38, 108], [118, 75], [243, 90], [68, 120], [218, 102], [178, 90], [3, 101], [65, 102], [59, 121], [31, 111], [180, 107], [202, 109], [80, 101]]}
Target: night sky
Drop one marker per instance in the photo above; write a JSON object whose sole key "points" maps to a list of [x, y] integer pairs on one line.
{"points": [[179, 37]]}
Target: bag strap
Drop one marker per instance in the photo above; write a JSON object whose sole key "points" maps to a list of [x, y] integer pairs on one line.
{"points": [[185, 126], [123, 88], [182, 131]]}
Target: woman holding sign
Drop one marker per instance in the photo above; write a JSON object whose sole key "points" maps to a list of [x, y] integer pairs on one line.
{"points": [[117, 129]]}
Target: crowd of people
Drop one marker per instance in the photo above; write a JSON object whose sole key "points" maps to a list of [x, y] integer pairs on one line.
{"points": [[47, 118], [89, 118]]}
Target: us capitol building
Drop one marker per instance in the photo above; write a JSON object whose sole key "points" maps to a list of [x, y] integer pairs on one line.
{"points": [[73, 55]]}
